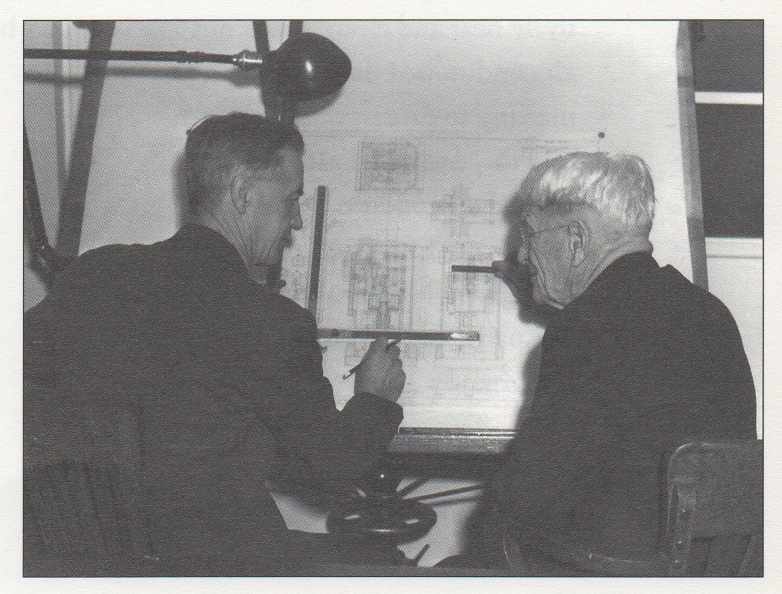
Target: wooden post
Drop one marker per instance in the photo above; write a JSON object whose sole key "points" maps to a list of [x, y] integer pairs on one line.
{"points": [[72, 209], [690, 156]]}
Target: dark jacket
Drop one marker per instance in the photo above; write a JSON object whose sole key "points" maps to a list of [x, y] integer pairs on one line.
{"points": [[640, 362], [224, 375]]}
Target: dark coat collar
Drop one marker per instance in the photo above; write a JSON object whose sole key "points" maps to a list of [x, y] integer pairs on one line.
{"points": [[208, 242], [629, 264]]}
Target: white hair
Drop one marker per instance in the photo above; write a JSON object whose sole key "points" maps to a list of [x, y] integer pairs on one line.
{"points": [[617, 185]]}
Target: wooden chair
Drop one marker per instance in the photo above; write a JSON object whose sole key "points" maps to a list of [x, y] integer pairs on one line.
{"points": [[81, 499], [714, 519], [715, 509]]}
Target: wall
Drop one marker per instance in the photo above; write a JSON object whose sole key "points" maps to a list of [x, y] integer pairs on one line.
{"points": [[47, 98], [133, 193], [735, 268]]}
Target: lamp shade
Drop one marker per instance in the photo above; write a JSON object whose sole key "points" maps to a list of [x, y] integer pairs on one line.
{"points": [[309, 66]]}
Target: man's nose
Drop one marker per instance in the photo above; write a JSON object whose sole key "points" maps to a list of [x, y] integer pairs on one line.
{"points": [[296, 222]]}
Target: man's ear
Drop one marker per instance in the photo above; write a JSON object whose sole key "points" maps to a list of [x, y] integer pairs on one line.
{"points": [[240, 185], [578, 241]]}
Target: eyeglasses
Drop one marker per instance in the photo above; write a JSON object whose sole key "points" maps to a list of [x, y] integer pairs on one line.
{"points": [[527, 235]]}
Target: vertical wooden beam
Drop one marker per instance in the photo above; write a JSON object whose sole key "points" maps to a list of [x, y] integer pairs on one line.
{"points": [[289, 105], [296, 27], [317, 249], [282, 109], [269, 95], [690, 156], [61, 111], [34, 217], [72, 208], [31, 200], [275, 107]]}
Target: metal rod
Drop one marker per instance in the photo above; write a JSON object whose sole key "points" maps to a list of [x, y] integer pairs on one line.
{"points": [[128, 55], [446, 493], [456, 501], [246, 60], [412, 486], [420, 555], [339, 334]]}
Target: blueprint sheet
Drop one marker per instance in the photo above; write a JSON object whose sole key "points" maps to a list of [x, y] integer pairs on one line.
{"points": [[420, 152], [413, 208]]}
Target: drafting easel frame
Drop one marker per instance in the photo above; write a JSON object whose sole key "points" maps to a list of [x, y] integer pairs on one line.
{"points": [[455, 440]]}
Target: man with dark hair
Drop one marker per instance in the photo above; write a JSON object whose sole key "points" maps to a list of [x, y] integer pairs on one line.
{"points": [[636, 361], [217, 144], [225, 375], [226, 151]]}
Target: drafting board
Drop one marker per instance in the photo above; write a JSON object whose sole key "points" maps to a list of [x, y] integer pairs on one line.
{"points": [[434, 130], [428, 140]]}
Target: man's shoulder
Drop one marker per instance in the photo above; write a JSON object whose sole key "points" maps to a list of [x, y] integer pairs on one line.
{"points": [[278, 302], [115, 255], [284, 312], [120, 271], [107, 265], [692, 298], [650, 294]]}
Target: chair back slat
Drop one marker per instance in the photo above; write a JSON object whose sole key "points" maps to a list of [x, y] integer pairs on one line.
{"points": [[81, 484], [752, 563], [73, 510]]}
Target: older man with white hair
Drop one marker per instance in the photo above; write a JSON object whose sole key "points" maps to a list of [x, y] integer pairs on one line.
{"points": [[636, 361]]}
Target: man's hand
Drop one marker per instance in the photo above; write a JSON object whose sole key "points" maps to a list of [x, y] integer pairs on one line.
{"points": [[380, 372]]}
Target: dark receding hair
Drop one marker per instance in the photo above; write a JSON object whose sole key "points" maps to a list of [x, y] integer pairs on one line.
{"points": [[218, 144]]}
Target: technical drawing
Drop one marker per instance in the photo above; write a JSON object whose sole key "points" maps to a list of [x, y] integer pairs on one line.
{"points": [[379, 287], [295, 273], [296, 269], [388, 166], [461, 212], [470, 302]]}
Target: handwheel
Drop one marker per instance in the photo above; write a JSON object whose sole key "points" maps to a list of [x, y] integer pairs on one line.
{"points": [[386, 517]]}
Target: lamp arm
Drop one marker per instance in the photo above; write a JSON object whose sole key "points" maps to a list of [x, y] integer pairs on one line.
{"points": [[246, 60], [306, 66]]}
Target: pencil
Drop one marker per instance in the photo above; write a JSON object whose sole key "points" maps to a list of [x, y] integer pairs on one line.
{"points": [[471, 268], [354, 369]]}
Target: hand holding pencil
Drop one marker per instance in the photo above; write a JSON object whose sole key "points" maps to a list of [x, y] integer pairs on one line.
{"points": [[380, 371], [353, 369]]}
